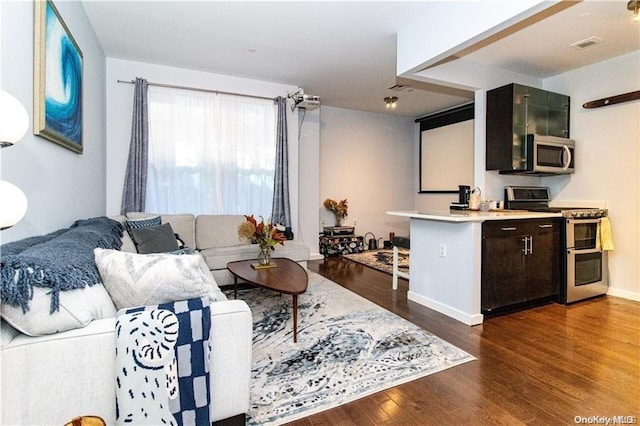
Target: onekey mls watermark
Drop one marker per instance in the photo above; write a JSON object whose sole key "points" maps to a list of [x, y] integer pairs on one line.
{"points": [[606, 420]]}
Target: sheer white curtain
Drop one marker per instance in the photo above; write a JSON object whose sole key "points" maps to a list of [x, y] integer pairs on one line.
{"points": [[210, 153]]}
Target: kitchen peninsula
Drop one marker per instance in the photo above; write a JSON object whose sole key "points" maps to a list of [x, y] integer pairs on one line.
{"points": [[446, 258]]}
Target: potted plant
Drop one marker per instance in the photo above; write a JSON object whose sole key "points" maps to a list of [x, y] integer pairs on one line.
{"points": [[266, 235], [339, 209]]}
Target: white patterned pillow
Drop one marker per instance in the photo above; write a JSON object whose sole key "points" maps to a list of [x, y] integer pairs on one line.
{"points": [[149, 279]]}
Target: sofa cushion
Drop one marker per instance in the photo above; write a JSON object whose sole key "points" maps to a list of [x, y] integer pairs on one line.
{"points": [[127, 242], [182, 224], [217, 258], [78, 308], [7, 333], [155, 239], [218, 231], [147, 279]]}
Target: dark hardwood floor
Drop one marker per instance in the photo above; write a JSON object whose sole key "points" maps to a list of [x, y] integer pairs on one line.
{"points": [[543, 366]]}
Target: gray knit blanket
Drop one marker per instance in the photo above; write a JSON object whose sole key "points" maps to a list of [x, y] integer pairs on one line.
{"points": [[62, 260]]}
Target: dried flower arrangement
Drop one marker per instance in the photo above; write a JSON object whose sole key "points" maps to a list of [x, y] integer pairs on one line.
{"points": [[339, 209]]}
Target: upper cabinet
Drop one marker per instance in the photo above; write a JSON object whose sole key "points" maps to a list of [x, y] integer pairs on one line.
{"points": [[513, 112]]}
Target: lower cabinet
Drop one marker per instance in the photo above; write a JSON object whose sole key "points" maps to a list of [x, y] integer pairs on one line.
{"points": [[520, 262]]}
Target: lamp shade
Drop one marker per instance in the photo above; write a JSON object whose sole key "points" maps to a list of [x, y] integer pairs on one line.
{"points": [[13, 204], [14, 120]]}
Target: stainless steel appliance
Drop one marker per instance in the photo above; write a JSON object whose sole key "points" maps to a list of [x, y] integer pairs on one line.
{"points": [[544, 156], [586, 262], [585, 272], [550, 154]]}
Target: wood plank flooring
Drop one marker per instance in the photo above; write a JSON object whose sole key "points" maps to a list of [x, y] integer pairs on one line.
{"points": [[543, 366]]}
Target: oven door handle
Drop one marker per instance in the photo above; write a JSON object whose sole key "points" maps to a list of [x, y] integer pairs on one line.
{"points": [[583, 221], [573, 251]]}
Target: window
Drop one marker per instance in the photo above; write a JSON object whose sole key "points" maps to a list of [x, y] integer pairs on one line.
{"points": [[210, 153]]}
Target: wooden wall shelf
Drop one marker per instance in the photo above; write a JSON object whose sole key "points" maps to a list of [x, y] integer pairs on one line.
{"points": [[626, 97]]}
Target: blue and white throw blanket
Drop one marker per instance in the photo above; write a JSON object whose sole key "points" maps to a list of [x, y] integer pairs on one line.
{"points": [[62, 260], [162, 364]]}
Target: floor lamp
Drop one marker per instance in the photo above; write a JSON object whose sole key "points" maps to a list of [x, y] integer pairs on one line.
{"points": [[14, 122]]}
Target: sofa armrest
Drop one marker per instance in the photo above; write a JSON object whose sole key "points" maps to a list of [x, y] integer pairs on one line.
{"points": [[231, 339], [51, 379]]}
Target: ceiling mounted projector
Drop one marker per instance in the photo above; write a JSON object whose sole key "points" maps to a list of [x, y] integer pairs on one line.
{"points": [[307, 102]]}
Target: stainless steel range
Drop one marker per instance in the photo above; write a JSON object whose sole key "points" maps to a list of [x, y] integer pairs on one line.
{"points": [[585, 272]]}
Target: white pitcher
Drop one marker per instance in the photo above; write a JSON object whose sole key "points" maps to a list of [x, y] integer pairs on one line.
{"points": [[475, 199]]}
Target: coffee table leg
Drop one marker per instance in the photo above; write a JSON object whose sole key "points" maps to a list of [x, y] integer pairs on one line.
{"points": [[235, 287], [295, 318]]}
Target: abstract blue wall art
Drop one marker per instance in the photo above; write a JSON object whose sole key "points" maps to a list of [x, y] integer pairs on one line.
{"points": [[57, 79]]}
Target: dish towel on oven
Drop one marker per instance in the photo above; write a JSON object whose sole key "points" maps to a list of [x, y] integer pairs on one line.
{"points": [[162, 364], [605, 239]]}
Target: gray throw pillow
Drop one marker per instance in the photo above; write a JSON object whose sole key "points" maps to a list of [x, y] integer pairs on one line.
{"points": [[154, 239]]}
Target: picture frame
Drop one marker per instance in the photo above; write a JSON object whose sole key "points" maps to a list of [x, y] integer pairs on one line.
{"points": [[58, 82]]}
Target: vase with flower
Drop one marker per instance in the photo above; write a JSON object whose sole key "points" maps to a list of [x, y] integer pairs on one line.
{"points": [[266, 234], [338, 208]]}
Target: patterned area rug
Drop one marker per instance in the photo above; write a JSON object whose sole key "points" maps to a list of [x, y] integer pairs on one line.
{"points": [[347, 348], [382, 260]]}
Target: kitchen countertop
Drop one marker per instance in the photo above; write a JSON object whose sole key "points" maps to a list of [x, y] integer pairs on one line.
{"points": [[472, 216]]}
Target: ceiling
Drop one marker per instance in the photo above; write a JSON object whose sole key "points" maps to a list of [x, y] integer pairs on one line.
{"points": [[343, 52]]}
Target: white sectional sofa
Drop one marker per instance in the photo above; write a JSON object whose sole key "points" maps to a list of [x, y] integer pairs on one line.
{"points": [[49, 379]]}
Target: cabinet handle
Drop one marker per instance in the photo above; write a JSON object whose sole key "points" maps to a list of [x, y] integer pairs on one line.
{"points": [[509, 228], [528, 245], [545, 226]]}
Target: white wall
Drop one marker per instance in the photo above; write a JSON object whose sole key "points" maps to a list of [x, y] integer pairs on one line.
{"points": [[367, 158], [454, 25], [607, 158], [309, 194], [61, 186]]}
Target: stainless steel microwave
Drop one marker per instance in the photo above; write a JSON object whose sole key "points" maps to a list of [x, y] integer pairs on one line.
{"points": [[549, 155]]}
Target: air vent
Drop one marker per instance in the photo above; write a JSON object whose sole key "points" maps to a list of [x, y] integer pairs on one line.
{"points": [[587, 42], [398, 87]]}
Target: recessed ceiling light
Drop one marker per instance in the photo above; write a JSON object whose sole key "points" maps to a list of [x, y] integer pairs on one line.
{"points": [[584, 15]]}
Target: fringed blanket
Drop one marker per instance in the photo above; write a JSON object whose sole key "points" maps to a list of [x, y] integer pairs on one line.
{"points": [[61, 260], [162, 364]]}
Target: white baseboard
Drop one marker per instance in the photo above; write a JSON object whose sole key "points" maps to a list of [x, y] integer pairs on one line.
{"points": [[625, 294], [449, 311], [315, 256]]}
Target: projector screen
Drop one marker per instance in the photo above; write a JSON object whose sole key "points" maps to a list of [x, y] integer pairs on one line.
{"points": [[446, 157]]}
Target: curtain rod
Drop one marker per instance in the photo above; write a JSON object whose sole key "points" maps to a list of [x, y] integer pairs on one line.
{"points": [[198, 89]]}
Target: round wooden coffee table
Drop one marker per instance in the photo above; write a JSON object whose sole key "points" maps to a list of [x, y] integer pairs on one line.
{"points": [[288, 277]]}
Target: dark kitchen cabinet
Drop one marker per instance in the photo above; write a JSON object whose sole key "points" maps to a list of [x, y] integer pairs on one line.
{"points": [[513, 112], [520, 262]]}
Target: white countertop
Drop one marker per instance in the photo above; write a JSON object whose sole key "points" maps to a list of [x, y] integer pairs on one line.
{"points": [[472, 216]]}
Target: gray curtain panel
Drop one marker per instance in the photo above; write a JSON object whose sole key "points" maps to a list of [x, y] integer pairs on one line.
{"points": [[135, 180], [281, 210]]}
